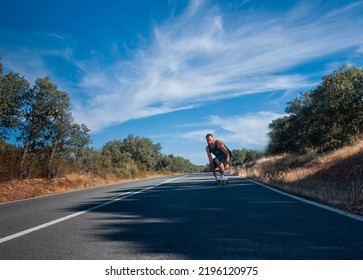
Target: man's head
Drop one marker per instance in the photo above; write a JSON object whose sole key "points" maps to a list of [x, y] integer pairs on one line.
{"points": [[210, 139]]}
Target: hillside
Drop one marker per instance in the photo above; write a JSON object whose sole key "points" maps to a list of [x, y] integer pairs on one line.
{"points": [[334, 178]]}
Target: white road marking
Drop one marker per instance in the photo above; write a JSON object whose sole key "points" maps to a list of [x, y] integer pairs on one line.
{"points": [[339, 211], [118, 198]]}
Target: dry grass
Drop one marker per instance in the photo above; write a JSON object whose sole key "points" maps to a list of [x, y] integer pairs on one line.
{"points": [[335, 178], [21, 189]]}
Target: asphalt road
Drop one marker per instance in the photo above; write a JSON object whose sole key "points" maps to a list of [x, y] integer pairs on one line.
{"points": [[176, 218]]}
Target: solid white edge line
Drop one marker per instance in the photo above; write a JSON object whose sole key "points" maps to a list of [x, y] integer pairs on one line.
{"points": [[118, 198], [317, 204], [69, 191]]}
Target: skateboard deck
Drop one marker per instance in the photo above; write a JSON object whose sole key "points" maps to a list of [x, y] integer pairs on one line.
{"points": [[222, 181]]}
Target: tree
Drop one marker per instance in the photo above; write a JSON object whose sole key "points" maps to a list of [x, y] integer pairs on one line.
{"points": [[325, 118], [243, 156], [280, 140], [49, 126], [77, 138], [33, 130], [339, 107], [142, 150], [88, 160], [179, 164], [60, 124], [114, 157], [13, 95]]}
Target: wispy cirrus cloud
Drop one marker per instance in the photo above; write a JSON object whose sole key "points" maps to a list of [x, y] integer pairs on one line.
{"points": [[203, 55]]}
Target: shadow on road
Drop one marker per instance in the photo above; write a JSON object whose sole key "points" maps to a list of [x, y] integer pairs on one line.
{"points": [[191, 218]]}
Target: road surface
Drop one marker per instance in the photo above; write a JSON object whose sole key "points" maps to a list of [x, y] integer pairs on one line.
{"points": [[176, 218]]}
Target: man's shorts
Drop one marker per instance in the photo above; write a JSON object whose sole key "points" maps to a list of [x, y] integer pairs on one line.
{"points": [[221, 158]]}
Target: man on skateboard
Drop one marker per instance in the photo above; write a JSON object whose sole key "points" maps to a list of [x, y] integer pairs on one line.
{"points": [[222, 157]]}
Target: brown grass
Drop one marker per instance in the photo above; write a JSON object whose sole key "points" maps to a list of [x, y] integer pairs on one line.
{"points": [[21, 189], [334, 178]]}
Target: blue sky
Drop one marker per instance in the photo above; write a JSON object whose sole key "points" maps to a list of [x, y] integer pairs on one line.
{"points": [[173, 70]]}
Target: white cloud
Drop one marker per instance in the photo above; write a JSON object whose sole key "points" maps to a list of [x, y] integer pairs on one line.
{"points": [[200, 56], [204, 54], [248, 130], [198, 135], [243, 131]]}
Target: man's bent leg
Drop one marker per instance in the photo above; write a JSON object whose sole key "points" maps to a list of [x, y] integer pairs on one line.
{"points": [[220, 166]]}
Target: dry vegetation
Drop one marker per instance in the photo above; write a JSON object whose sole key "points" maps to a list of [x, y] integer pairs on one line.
{"points": [[21, 189], [334, 178]]}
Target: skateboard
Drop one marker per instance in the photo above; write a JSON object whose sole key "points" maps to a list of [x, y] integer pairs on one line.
{"points": [[222, 181]]}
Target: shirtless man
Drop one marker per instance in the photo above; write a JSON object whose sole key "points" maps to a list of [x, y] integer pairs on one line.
{"points": [[222, 156]]}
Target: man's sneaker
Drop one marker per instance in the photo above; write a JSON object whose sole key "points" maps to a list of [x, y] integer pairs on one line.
{"points": [[222, 177]]}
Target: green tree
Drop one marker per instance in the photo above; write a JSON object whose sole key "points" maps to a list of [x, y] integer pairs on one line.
{"points": [[164, 163], [179, 164], [280, 136], [114, 158], [339, 107], [60, 123], [48, 126], [13, 95], [143, 151], [77, 138], [325, 118], [88, 161], [33, 130], [243, 156]]}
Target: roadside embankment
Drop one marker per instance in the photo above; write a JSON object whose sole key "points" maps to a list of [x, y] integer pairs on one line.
{"points": [[334, 178], [28, 188]]}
